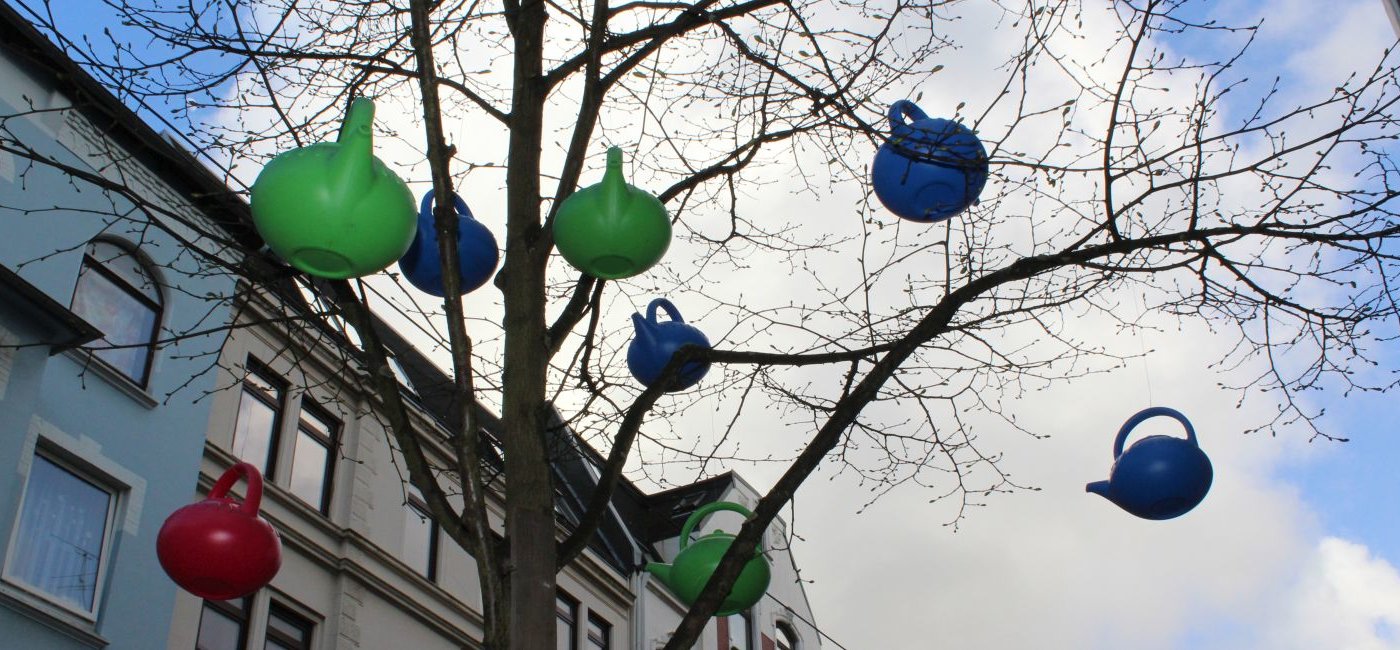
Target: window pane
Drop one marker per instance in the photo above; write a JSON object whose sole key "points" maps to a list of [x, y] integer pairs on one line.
{"points": [[126, 266], [62, 529], [599, 633], [218, 631], [286, 630], [565, 630], [418, 541], [123, 319], [309, 469], [787, 639], [257, 426]]}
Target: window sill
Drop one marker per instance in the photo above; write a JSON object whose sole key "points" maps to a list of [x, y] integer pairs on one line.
{"points": [[53, 616], [90, 364]]}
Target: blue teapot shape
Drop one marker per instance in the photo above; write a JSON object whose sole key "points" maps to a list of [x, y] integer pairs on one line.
{"points": [[655, 342], [930, 169], [477, 254], [1159, 477]]}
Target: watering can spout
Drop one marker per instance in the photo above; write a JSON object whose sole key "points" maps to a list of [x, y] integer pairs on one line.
{"points": [[353, 165], [614, 186], [1098, 487], [644, 333], [661, 571]]}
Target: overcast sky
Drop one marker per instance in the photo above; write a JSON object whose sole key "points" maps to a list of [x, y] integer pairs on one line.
{"points": [[1294, 548]]}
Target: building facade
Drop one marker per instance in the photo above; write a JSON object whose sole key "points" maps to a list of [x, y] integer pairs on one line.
{"points": [[92, 454], [109, 421]]}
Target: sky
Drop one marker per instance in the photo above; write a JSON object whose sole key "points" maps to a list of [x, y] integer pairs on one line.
{"points": [[1295, 547]]}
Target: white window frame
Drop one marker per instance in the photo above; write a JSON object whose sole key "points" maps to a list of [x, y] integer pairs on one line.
{"points": [[109, 528], [129, 492]]}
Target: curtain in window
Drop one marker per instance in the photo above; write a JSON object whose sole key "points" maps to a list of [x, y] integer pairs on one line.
{"points": [[61, 532]]}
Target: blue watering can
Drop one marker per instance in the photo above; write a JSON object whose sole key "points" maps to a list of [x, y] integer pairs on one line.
{"points": [[1159, 477], [930, 169], [655, 342], [476, 251]]}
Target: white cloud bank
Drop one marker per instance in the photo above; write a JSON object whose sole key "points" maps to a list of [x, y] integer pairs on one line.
{"points": [[1346, 598]]}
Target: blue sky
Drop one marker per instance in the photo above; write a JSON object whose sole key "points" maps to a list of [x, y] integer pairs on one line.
{"points": [[1315, 518]]}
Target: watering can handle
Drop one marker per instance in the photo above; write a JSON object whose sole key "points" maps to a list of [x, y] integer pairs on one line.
{"points": [[253, 498], [699, 515], [670, 310], [1150, 413], [426, 207], [904, 111]]}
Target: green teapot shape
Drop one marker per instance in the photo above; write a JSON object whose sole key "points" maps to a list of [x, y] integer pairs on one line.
{"points": [[695, 563], [612, 230], [333, 209]]}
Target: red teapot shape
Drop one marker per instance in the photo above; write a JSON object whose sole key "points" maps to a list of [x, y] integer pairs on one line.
{"points": [[219, 549], [333, 209]]}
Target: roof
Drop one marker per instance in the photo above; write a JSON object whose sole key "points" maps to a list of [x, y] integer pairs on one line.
{"points": [[173, 164]]}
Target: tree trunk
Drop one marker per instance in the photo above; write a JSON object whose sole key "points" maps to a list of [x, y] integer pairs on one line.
{"points": [[529, 492]]}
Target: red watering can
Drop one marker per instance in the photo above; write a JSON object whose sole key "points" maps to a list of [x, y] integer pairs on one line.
{"points": [[220, 549]]}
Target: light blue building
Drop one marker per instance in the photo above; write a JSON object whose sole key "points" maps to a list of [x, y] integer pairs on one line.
{"points": [[101, 428]]}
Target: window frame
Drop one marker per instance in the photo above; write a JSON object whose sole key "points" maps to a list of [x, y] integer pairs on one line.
{"points": [[330, 439], [416, 504], [786, 637], [297, 619], [110, 525], [604, 625], [563, 597], [278, 403], [157, 306], [244, 618]]}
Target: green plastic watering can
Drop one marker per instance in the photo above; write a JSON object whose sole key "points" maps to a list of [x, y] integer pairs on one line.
{"points": [[696, 562], [612, 230], [333, 209]]}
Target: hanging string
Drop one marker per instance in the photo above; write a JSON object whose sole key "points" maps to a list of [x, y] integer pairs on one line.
{"points": [[1142, 344]]}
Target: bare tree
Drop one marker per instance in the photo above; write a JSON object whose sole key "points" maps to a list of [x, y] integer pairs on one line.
{"points": [[1119, 165]]}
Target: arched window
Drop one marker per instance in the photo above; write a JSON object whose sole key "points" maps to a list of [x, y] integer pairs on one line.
{"points": [[787, 639], [117, 293]]}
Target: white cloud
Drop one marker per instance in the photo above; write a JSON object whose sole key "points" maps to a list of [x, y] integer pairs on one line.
{"points": [[1346, 599]]}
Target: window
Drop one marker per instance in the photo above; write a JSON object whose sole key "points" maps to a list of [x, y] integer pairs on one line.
{"points": [[223, 625], [259, 411], [287, 630], [258, 437], [117, 293], [313, 456], [565, 622], [787, 639], [397, 368], [420, 536], [740, 631], [599, 633], [62, 541]]}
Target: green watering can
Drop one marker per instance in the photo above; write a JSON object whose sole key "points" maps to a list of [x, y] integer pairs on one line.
{"points": [[332, 209], [612, 230], [695, 563]]}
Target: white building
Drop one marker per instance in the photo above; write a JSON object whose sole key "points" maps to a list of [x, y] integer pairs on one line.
{"points": [[364, 568]]}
